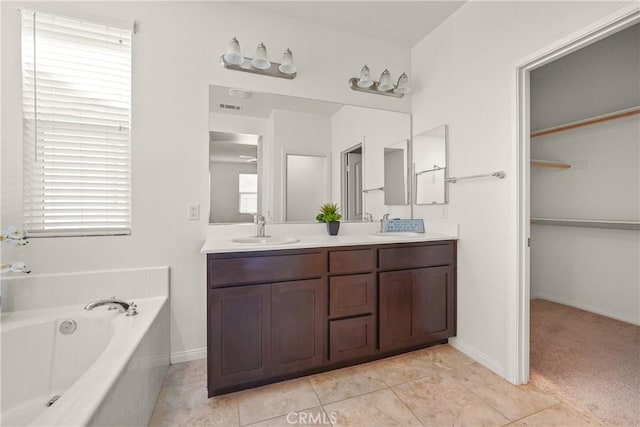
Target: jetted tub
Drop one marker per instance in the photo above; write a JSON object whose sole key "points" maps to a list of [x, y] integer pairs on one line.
{"points": [[108, 371]]}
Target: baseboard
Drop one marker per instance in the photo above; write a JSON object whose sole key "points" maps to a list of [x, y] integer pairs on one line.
{"points": [[478, 356], [587, 307], [189, 355]]}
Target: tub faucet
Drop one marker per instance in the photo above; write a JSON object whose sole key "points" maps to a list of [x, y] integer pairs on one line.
{"points": [[260, 221], [121, 305]]}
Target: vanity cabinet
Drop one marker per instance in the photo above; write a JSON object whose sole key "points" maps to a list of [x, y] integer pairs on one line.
{"points": [[274, 315]]}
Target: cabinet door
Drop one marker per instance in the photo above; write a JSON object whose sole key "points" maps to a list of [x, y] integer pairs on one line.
{"points": [[299, 314], [416, 307], [239, 335]]}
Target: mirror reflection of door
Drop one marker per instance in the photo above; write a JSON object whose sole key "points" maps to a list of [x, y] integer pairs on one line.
{"points": [[234, 176], [352, 174], [306, 186]]}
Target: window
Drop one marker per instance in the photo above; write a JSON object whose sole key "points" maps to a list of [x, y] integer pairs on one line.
{"points": [[248, 189], [76, 84]]}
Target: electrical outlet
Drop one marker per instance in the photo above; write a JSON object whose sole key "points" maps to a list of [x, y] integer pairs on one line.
{"points": [[194, 212]]}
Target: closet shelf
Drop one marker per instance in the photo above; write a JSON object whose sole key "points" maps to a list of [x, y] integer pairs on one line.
{"points": [[589, 223], [549, 164], [590, 121]]}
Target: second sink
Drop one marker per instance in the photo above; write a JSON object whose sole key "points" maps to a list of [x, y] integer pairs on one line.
{"points": [[271, 240]]}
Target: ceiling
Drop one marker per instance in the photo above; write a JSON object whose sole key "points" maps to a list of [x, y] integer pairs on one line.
{"points": [[404, 23]]}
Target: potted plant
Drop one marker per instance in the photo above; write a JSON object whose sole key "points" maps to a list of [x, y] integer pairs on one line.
{"points": [[330, 215]]}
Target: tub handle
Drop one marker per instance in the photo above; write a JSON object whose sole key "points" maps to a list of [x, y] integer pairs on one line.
{"points": [[132, 310]]}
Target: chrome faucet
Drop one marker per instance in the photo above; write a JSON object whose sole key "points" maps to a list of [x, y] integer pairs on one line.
{"points": [[260, 221], [384, 222], [114, 303]]}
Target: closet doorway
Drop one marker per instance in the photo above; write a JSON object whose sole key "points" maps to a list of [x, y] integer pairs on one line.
{"points": [[579, 201], [352, 176]]}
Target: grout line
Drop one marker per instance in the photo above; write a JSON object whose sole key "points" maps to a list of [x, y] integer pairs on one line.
{"points": [[406, 406]]}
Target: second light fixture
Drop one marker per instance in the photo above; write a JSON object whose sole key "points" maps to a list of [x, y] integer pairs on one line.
{"points": [[382, 87], [259, 64]]}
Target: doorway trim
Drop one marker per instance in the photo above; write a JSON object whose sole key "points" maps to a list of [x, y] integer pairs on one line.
{"points": [[519, 296], [343, 182]]}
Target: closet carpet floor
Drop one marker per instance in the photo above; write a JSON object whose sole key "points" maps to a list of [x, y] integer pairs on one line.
{"points": [[590, 361]]}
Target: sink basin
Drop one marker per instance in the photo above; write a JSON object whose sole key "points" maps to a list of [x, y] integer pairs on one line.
{"points": [[271, 240], [399, 234]]}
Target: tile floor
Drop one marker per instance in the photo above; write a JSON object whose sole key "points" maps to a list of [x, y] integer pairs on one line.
{"points": [[438, 386]]}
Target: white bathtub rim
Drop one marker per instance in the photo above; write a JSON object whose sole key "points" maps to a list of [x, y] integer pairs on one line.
{"points": [[76, 407]]}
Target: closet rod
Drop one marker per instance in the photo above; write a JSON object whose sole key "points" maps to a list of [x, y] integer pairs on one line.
{"points": [[589, 223], [598, 119], [498, 174]]}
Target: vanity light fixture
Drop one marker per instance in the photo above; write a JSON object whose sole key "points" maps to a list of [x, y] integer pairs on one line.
{"points": [[259, 64], [383, 87]]}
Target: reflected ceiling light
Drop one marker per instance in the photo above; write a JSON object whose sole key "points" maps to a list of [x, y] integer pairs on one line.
{"points": [[260, 64], [383, 87]]}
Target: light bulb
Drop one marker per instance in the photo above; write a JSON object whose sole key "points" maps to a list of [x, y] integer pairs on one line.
{"points": [[261, 61], [385, 81], [233, 55], [365, 78], [287, 66], [403, 84]]}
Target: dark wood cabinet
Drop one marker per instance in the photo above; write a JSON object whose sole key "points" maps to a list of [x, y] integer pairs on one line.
{"points": [[297, 338], [274, 315], [416, 307], [239, 343]]}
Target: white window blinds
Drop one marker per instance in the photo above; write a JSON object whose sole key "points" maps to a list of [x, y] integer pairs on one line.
{"points": [[76, 79]]}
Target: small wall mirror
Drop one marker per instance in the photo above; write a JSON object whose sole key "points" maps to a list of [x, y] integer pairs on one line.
{"points": [[430, 166], [283, 157], [396, 173]]}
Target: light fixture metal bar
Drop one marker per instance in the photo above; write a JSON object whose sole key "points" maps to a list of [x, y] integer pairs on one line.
{"points": [[353, 83], [246, 66]]}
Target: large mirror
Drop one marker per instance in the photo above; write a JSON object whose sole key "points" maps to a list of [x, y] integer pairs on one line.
{"points": [[284, 156], [430, 166]]}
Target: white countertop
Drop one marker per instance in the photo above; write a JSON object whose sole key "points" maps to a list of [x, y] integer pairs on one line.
{"points": [[225, 244]]}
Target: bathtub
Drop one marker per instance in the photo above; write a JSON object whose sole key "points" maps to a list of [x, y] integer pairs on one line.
{"points": [[107, 372]]}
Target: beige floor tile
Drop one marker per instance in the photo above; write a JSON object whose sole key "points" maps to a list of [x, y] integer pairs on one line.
{"points": [[184, 396], [440, 400], [188, 404], [380, 408], [187, 372], [557, 416], [445, 356], [307, 417], [275, 400], [513, 402], [344, 383], [402, 369]]}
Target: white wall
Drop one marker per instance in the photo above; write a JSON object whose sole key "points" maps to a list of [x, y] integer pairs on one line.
{"points": [[596, 270], [377, 129], [175, 59], [463, 74]]}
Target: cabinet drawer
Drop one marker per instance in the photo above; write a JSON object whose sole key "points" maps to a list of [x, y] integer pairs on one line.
{"points": [[351, 295], [415, 256], [355, 261], [256, 269], [351, 338]]}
